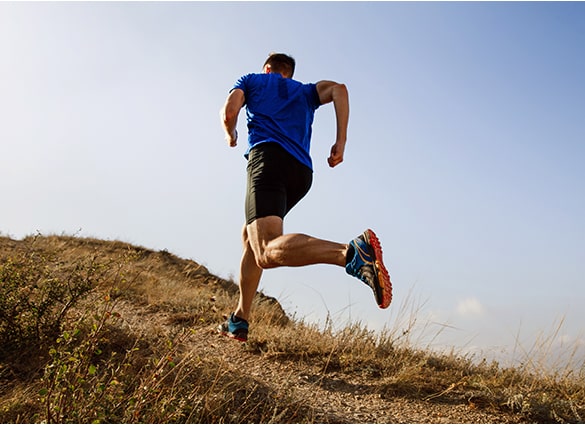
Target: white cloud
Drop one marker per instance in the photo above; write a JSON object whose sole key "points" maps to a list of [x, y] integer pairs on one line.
{"points": [[470, 307]]}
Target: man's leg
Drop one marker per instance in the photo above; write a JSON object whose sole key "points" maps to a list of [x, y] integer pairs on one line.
{"points": [[274, 249], [250, 274], [265, 246]]}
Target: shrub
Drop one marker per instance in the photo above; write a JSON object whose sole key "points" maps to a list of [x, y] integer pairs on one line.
{"points": [[35, 295]]}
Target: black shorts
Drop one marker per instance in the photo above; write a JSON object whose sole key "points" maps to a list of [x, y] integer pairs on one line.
{"points": [[277, 181]]}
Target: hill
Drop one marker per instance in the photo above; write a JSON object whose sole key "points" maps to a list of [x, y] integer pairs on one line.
{"points": [[103, 331]]}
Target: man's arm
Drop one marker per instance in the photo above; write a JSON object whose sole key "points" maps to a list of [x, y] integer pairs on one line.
{"points": [[330, 91], [229, 115]]}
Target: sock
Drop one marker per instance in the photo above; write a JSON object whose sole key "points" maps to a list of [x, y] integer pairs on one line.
{"points": [[236, 319], [350, 254]]}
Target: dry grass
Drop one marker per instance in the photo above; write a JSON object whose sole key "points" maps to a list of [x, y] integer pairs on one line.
{"points": [[126, 335]]}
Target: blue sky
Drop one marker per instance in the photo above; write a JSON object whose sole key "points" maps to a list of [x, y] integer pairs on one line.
{"points": [[465, 150]]}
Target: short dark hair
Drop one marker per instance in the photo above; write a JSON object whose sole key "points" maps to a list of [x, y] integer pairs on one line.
{"points": [[279, 62]]}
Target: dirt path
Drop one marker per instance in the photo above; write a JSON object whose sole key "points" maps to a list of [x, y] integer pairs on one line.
{"points": [[340, 397], [335, 397]]}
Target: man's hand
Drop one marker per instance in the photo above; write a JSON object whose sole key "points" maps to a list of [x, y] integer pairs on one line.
{"points": [[336, 156], [232, 138]]}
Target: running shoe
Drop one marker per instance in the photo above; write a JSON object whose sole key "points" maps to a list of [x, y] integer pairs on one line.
{"points": [[364, 261], [235, 328]]}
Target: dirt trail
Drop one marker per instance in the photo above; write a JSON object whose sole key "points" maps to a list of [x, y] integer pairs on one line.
{"points": [[335, 397]]}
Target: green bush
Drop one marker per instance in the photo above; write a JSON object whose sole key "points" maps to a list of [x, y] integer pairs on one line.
{"points": [[80, 382], [36, 292]]}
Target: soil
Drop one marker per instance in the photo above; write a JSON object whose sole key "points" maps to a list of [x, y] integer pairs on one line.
{"points": [[334, 397]]}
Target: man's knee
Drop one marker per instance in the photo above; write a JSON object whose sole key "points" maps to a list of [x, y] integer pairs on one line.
{"points": [[260, 234], [265, 259], [264, 256]]}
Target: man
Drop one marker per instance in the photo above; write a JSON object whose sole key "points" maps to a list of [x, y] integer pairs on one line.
{"points": [[280, 114]]}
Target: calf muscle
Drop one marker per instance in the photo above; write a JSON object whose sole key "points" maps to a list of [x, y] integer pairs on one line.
{"points": [[273, 249]]}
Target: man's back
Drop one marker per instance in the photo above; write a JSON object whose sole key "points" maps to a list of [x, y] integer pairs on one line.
{"points": [[280, 110]]}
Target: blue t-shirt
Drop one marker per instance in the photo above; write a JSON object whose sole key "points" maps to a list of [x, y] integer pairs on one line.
{"points": [[280, 110]]}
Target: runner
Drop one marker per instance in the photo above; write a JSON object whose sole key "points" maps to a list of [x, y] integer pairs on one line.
{"points": [[280, 114]]}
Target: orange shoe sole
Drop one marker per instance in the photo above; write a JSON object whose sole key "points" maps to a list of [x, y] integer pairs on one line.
{"points": [[381, 271]]}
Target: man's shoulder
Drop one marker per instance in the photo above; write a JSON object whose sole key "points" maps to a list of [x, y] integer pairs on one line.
{"points": [[254, 82], [247, 79], [274, 77]]}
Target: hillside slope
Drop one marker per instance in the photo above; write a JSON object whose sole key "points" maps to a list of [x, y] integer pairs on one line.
{"points": [[109, 332]]}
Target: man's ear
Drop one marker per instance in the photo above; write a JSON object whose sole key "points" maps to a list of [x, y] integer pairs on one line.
{"points": [[267, 69]]}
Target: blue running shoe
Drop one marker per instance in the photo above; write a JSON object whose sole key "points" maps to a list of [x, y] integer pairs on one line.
{"points": [[364, 261], [235, 328]]}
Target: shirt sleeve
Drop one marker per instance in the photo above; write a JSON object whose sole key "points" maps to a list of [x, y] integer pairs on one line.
{"points": [[241, 83]]}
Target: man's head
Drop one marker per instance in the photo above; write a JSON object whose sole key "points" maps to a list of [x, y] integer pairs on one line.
{"points": [[281, 64]]}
